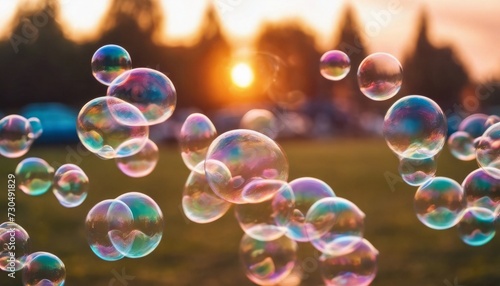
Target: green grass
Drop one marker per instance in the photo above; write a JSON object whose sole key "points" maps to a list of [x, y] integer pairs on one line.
{"points": [[194, 254]]}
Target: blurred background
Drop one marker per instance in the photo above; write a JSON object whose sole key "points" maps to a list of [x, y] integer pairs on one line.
{"points": [[448, 51]]}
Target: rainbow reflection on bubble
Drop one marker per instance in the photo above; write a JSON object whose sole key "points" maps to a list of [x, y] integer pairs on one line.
{"points": [[34, 176], [16, 136], [140, 164], [334, 65], [461, 145], [415, 127], [380, 76], [488, 150], [439, 202], [260, 120], [267, 262], [108, 62], [416, 172], [481, 189], [43, 268], [476, 226], [13, 239], [71, 185], [196, 135], [474, 124]]}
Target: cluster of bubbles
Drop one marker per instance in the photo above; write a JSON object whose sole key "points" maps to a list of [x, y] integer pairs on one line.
{"points": [[69, 182], [129, 226], [17, 134], [38, 268], [250, 170]]}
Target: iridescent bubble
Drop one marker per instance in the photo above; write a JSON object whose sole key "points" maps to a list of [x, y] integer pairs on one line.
{"points": [[110, 61], [71, 185], [140, 164], [111, 127], [149, 90], [108, 217], [415, 127], [307, 191], [16, 244], [16, 136], [334, 65], [476, 226], [330, 220], [416, 172], [36, 126], [197, 132], [488, 151], [147, 228], [267, 262], [482, 190], [357, 268], [439, 202], [43, 269], [199, 203], [237, 158], [260, 120], [492, 119], [34, 176], [267, 220], [461, 145], [380, 76], [474, 124]]}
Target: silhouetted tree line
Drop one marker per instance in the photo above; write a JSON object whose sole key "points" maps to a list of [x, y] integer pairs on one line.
{"points": [[38, 64]]}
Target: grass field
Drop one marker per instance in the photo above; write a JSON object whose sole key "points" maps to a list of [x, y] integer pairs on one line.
{"points": [[194, 254]]}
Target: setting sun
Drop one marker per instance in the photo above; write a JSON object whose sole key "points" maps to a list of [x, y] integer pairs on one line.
{"points": [[242, 75]]}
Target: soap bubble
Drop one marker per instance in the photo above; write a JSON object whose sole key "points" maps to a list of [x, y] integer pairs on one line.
{"points": [[474, 124], [334, 65], [476, 226], [111, 127], [488, 151], [267, 262], [330, 220], [147, 227], [439, 202], [197, 132], [36, 127], [34, 176], [110, 61], [16, 136], [140, 164], [14, 239], [149, 90], [306, 191], [260, 120], [108, 217], [380, 76], [43, 268], [358, 267], [267, 220], [71, 185], [416, 172], [415, 127], [481, 189], [237, 158], [461, 145], [199, 203]]}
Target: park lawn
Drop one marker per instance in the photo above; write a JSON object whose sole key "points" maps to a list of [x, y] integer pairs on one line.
{"points": [[361, 170]]}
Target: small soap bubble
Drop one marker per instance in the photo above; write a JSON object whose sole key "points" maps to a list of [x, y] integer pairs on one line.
{"points": [[358, 267], [34, 176], [416, 172], [71, 185], [415, 127], [439, 202], [267, 262], [110, 61], [476, 226], [306, 191], [461, 145], [334, 65], [199, 203], [267, 220], [111, 128], [149, 90], [16, 136], [140, 164], [380, 76], [474, 124], [330, 220], [36, 127], [237, 158], [488, 151], [481, 189], [260, 120], [196, 135], [43, 268], [14, 240]]}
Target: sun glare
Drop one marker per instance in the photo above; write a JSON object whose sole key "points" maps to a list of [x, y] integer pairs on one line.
{"points": [[242, 75]]}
